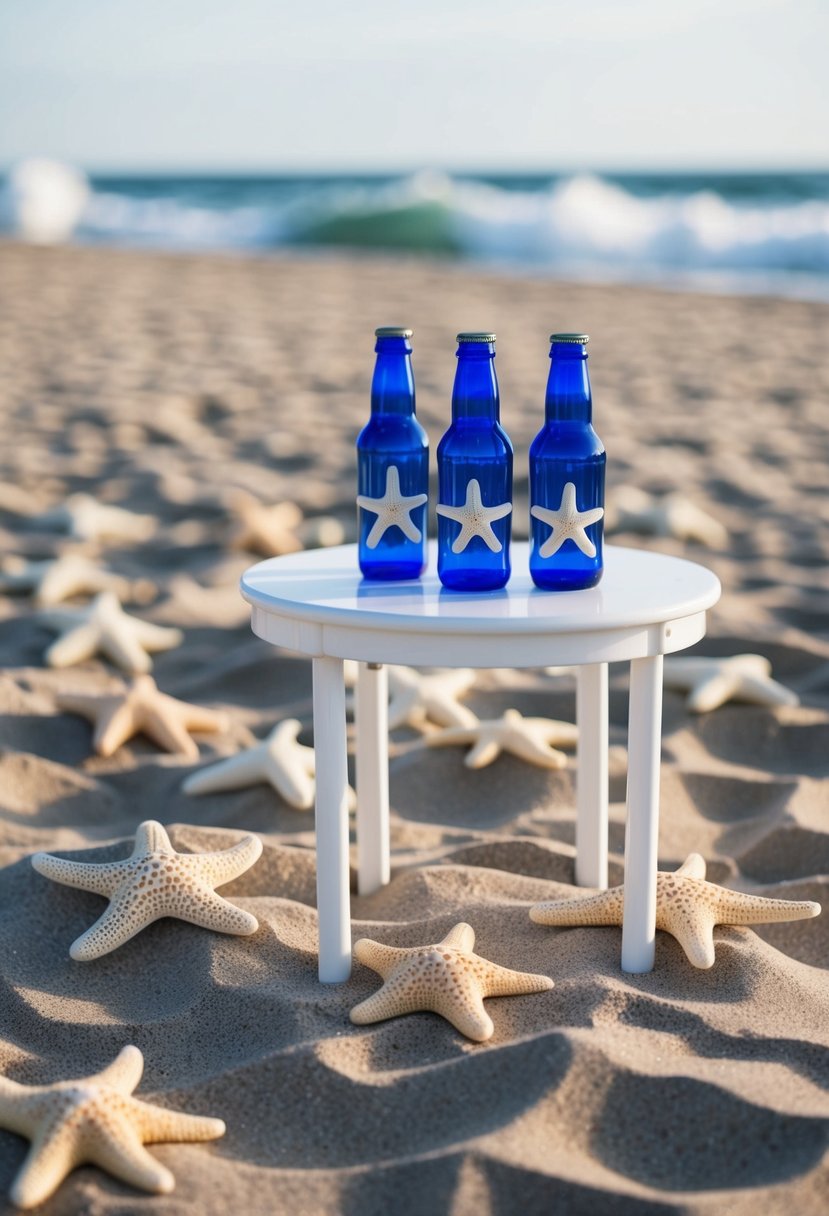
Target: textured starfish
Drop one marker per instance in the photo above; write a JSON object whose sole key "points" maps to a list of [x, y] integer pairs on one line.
{"points": [[104, 628], [475, 519], [63, 577], [687, 907], [142, 708], [153, 882], [84, 517], [670, 515], [712, 682], [530, 739], [264, 529], [96, 1121], [416, 698], [446, 978], [392, 510], [567, 523]]}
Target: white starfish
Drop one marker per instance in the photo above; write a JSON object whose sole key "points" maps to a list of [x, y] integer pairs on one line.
{"points": [[264, 528], [475, 519], [392, 510], [712, 682], [104, 628], [568, 523], [87, 519], [635, 510], [63, 577], [530, 739], [416, 698]]}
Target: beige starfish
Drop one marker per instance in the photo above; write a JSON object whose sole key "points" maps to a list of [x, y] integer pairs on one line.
{"points": [[531, 739], [153, 882], [104, 628], [712, 682], [259, 528], [635, 510], [63, 577], [142, 708], [446, 978], [416, 698], [87, 519], [687, 907], [96, 1121]]}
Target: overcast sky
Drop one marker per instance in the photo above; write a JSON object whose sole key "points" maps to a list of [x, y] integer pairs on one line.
{"points": [[374, 84]]}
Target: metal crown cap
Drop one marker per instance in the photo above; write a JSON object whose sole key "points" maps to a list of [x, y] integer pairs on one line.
{"points": [[475, 337], [393, 331], [576, 339]]}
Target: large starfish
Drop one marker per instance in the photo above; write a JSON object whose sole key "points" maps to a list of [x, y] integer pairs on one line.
{"points": [[530, 739], [475, 519], [567, 523], [104, 628], [84, 517], [392, 510], [153, 882], [687, 907], [96, 1121], [416, 698], [446, 978], [712, 682], [142, 708], [670, 515], [263, 528], [64, 577]]}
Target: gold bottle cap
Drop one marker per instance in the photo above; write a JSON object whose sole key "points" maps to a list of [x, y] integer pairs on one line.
{"points": [[476, 337], [576, 339], [393, 331]]}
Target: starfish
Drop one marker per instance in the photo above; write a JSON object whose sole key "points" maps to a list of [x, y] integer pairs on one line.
{"points": [[63, 577], [94, 1120], [153, 882], [687, 907], [712, 682], [416, 697], [530, 739], [567, 523], [84, 517], [104, 628], [392, 510], [475, 519], [446, 978], [141, 708], [264, 529], [671, 515]]}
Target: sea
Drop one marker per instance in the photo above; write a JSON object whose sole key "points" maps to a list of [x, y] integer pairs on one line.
{"points": [[744, 232]]}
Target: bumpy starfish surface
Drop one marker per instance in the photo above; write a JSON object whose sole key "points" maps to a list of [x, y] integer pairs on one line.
{"points": [[96, 1121], [712, 682], [475, 519], [416, 698], [153, 882], [392, 510], [262, 528], [530, 739], [142, 708], [61, 578], [84, 517], [671, 515], [104, 628], [446, 978], [567, 523], [687, 907]]}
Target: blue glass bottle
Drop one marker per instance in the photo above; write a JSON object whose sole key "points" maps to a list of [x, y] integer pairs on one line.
{"points": [[567, 465], [474, 476], [392, 467]]}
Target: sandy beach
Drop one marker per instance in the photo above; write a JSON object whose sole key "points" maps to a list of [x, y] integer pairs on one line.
{"points": [[164, 384]]}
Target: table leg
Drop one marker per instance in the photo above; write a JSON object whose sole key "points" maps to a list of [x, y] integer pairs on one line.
{"points": [[372, 716], [333, 907], [591, 778], [642, 832]]}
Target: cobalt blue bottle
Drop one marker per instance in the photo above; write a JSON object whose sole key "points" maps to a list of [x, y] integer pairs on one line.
{"points": [[474, 476], [567, 464], [392, 467]]}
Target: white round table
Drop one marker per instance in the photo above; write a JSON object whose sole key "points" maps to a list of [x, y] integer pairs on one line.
{"points": [[317, 603]]}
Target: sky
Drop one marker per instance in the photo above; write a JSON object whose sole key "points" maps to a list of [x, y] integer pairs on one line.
{"points": [[373, 85]]}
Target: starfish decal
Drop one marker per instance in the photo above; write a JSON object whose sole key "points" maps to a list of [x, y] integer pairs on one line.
{"points": [[712, 682], [392, 510], [446, 978], [687, 907], [475, 519], [153, 882], [64, 577], [416, 698], [104, 628], [82, 516], [568, 523], [96, 1121], [530, 739]]}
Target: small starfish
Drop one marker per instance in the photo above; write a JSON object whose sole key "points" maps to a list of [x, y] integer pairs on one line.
{"points": [[530, 739], [264, 529], [96, 1121], [63, 577], [687, 907], [153, 882], [568, 523], [104, 628], [670, 515], [141, 708], [446, 978], [712, 682], [84, 517], [392, 510], [416, 697], [475, 519]]}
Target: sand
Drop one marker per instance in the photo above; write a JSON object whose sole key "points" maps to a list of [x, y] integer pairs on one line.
{"points": [[160, 383]]}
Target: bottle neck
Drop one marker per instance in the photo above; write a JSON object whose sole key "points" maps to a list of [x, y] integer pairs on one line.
{"points": [[475, 392], [392, 386], [568, 385]]}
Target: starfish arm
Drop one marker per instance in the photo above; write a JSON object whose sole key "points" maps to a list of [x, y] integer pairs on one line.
{"points": [[412, 501], [219, 868], [367, 504], [16, 1113], [534, 751], [53, 1155], [159, 1125], [463, 538], [503, 981], [76, 646], [489, 538], [693, 866], [124, 1073], [402, 706], [583, 542], [378, 531], [485, 751], [552, 544], [291, 781], [200, 718], [117, 1148], [766, 692], [602, 909], [408, 527], [460, 937], [464, 1009], [169, 732], [380, 1006], [122, 646], [451, 736], [378, 956], [115, 725], [449, 512], [235, 773], [737, 908], [151, 837], [499, 511], [447, 712], [713, 692], [694, 930], [209, 911], [121, 921], [85, 876], [156, 637]]}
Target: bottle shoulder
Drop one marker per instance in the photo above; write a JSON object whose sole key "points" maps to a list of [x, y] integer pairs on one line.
{"points": [[479, 438], [390, 431], [566, 440]]}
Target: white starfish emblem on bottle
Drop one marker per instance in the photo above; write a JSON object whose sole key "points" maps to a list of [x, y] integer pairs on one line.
{"points": [[568, 523], [392, 510], [475, 519]]}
